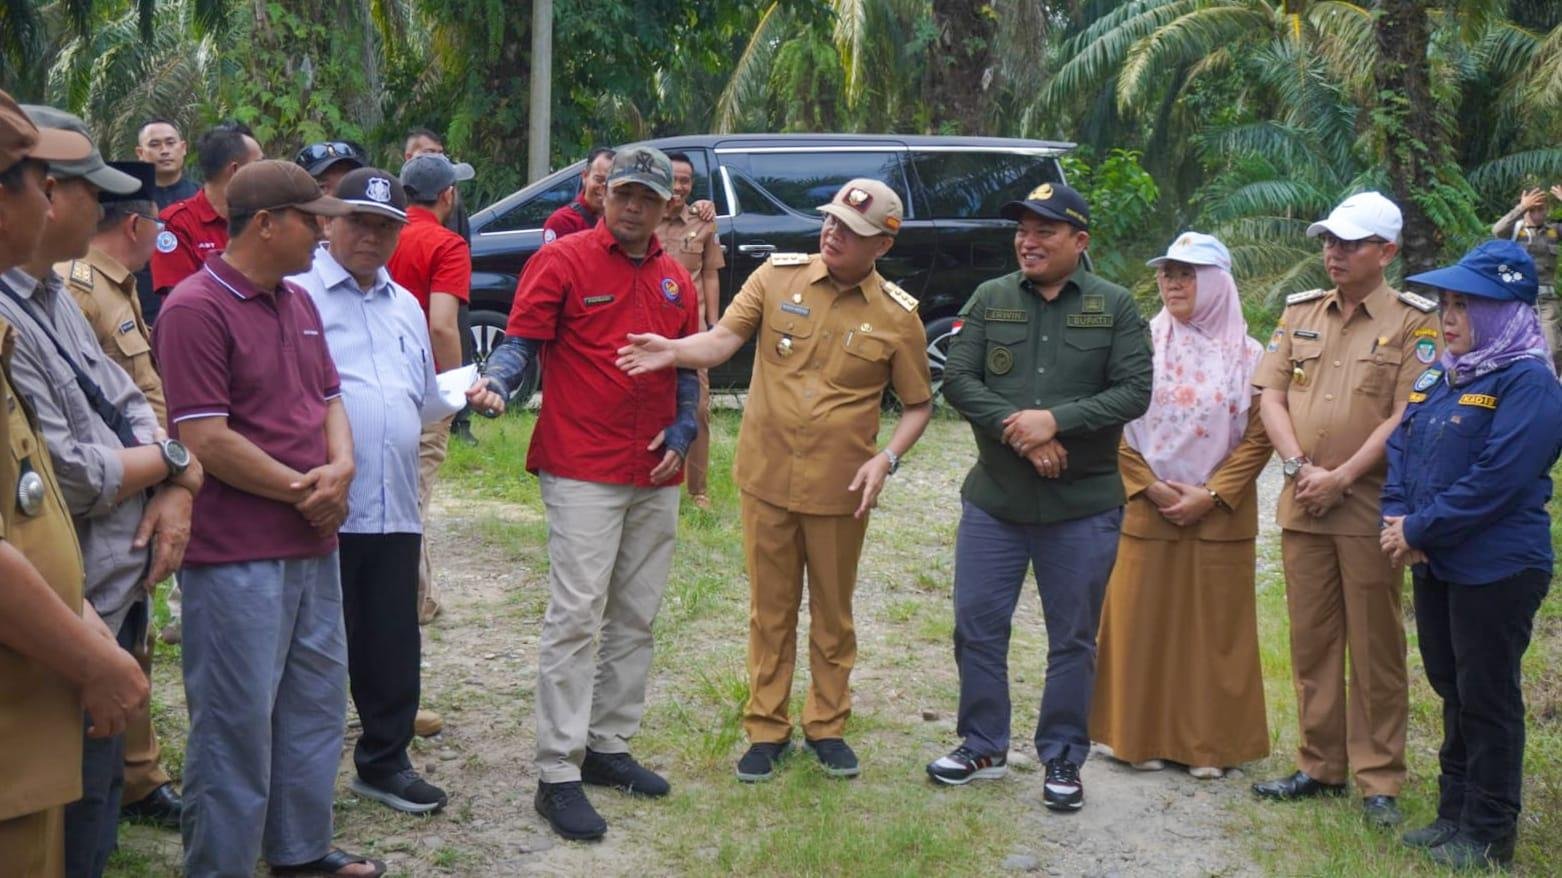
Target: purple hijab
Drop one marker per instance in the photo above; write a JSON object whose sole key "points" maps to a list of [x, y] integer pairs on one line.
{"points": [[1501, 332]]}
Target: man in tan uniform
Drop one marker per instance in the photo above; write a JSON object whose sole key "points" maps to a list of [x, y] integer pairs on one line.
{"points": [[691, 240], [832, 335], [103, 283], [1335, 380], [1530, 226], [52, 661]]}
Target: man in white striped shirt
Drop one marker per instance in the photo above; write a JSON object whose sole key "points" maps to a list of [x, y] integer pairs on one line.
{"points": [[380, 343]]}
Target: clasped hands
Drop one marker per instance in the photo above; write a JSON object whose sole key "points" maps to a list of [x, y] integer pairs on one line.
{"points": [[1179, 503], [1319, 490], [1392, 540], [1033, 435]]}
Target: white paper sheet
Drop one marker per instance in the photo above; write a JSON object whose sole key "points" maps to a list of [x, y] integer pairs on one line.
{"points": [[453, 386]]}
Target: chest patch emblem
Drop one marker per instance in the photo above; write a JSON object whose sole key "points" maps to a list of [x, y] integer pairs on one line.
{"points": [[1426, 380], [1416, 397], [793, 308], [1093, 304], [1000, 360], [1426, 350], [670, 290], [166, 242], [1481, 400], [1088, 321]]}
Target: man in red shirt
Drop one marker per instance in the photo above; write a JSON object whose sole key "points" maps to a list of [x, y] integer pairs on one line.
{"points": [[197, 227], [607, 451], [435, 265], [582, 213]]}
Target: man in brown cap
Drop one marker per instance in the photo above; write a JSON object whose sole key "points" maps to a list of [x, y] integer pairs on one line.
{"points": [[53, 663], [832, 336], [252, 387]]}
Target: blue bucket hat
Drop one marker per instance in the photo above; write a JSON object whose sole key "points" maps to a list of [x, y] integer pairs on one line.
{"points": [[1499, 269]]}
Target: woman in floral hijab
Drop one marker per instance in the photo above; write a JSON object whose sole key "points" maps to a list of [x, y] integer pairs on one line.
{"points": [[1177, 676]]}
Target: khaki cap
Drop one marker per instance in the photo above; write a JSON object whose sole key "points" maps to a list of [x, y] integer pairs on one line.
{"points": [[867, 207], [21, 138], [92, 168], [273, 184]]}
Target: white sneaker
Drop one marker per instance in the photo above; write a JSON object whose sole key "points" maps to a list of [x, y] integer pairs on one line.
{"points": [[1150, 765], [1206, 772]]}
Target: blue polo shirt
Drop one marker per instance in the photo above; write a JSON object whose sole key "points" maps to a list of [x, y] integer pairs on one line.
{"points": [[1469, 467]]}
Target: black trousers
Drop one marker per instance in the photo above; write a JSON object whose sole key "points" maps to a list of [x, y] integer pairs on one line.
{"points": [[1472, 638], [92, 821], [384, 646]]}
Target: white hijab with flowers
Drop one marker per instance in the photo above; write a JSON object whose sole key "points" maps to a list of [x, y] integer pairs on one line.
{"points": [[1203, 384]]}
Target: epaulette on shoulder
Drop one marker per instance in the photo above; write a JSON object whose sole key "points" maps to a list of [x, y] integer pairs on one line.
{"points": [[81, 274], [901, 297], [1420, 303], [787, 260], [1299, 298]]}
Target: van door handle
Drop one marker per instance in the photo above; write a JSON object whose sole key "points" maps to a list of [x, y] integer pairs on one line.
{"points": [[756, 249]]}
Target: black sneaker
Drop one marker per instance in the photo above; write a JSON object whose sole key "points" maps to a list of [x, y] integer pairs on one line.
{"points": [[759, 763], [1431, 835], [836, 757], [1463, 853], [568, 810], [403, 791], [1381, 812], [621, 772], [1063, 790], [963, 766]]}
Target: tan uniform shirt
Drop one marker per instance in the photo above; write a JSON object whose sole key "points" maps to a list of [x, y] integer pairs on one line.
{"points": [[106, 292], [40, 713], [1342, 380], [692, 241], [823, 360]]}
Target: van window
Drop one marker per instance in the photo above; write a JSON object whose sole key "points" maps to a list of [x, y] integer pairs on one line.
{"points": [[805, 180], [970, 185], [751, 200], [533, 212]]}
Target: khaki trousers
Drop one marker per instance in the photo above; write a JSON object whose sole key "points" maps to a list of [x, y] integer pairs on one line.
{"points": [[780, 546], [1550, 310], [696, 468], [1343, 594], [610, 548], [432, 446], [143, 774], [33, 845]]}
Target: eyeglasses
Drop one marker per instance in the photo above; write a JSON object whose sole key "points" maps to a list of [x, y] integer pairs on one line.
{"points": [[151, 219], [345, 149], [1330, 242]]}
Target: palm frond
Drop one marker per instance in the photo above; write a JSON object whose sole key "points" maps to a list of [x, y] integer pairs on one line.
{"points": [[1180, 42], [1098, 53], [752, 71], [1508, 174]]}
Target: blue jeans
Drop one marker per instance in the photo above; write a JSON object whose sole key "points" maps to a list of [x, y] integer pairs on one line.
{"points": [[1073, 560]]}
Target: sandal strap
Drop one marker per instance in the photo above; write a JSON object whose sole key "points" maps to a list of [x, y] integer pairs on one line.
{"points": [[330, 864]]}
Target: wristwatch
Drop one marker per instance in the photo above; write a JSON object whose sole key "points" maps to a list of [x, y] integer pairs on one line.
{"points": [[1293, 465], [1216, 497], [894, 460], [175, 455]]}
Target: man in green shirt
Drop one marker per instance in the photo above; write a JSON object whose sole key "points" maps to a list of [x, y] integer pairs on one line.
{"points": [[1050, 364]]}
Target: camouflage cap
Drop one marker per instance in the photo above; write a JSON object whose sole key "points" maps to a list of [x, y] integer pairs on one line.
{"points": [[645, 165]]}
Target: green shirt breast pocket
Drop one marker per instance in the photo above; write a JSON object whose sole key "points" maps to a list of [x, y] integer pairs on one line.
{"points": [[1007, 351]]}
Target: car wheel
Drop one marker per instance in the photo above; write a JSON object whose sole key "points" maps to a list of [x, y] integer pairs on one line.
{"points": [[487, 333], [940, 333]]}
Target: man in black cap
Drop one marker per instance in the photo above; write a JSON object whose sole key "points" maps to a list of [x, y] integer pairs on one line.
{"points": [[330, 160], [379, 340], [103, 284], [1050, 364]]}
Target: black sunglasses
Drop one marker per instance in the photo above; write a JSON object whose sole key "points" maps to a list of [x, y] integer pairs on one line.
{"points": [[330, 149]]}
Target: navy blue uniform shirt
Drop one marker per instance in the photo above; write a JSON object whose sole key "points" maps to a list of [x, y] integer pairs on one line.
{"points": [[1469, 467]]}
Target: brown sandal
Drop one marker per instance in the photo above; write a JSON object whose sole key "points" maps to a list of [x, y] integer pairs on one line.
{"points": [[331, 864]]}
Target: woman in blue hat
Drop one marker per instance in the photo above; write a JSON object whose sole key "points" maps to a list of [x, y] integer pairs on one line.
{"points": [[1465, 504]]}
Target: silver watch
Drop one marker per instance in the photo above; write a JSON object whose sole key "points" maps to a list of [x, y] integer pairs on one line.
{"points": [[176, 456], [894, 460]]}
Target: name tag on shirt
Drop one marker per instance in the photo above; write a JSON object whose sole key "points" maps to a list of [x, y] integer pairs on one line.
{"points": [[598, 300], [1480, 400], [1088, 321], [791, 308]]}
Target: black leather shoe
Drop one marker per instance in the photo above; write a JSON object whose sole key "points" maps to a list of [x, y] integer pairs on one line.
{"points": [[1381, 811], [1463, 853], [161, 807], [1431, 835], [1297, 786], [569, 812], [621, 772]]}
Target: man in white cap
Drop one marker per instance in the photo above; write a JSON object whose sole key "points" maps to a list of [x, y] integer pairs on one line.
{"points": [[833, 334], [1335, 380]]}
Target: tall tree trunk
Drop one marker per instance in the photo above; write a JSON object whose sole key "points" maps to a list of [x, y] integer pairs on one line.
{"points": [[1413, 141], [960, 66]]}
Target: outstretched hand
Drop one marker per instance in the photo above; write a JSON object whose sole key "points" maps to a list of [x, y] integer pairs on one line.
{"points": [[646, 352]]}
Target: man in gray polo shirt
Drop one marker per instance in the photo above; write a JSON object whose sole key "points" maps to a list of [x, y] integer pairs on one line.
{"points": [[102, 437]]}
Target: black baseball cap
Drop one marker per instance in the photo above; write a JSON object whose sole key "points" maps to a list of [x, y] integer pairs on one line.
{"points": [[317, 157], [371, 190], [1053, 201], [145, 172]]}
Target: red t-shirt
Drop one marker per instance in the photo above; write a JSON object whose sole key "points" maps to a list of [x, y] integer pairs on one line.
{"points": [[430, 258], [258, 358], [568, 220], [192, 232], [582, 296]]}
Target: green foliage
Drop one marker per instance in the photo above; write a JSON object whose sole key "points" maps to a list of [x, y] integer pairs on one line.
{"points": [[1122, 196]]}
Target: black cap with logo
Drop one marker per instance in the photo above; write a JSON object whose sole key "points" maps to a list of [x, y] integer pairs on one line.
{"points": [[371, 190], [1053, 201]]}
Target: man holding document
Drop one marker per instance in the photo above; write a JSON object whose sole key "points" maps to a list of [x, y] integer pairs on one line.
{"points": [[380, 342]]}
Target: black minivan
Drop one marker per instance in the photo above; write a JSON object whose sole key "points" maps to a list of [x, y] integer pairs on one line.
{"points": [[766, 188]]}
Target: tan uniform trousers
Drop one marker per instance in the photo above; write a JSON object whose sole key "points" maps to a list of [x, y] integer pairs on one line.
{"points": [[780, 545], [1550, 310], [432, 447], [696, 467], [610, 548], [33, 845], [1344, 597], [143, 774]]}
